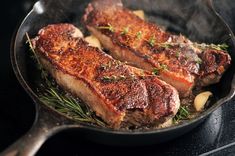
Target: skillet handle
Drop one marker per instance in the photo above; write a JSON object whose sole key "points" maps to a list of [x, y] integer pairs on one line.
{"points": [[45, 125]]}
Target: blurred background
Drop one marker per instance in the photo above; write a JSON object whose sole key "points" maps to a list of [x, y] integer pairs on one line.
{"points": [[216, 135]]}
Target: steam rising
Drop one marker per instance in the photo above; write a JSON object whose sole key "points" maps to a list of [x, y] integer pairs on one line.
{"points": [[226, 9], [194, 19]]}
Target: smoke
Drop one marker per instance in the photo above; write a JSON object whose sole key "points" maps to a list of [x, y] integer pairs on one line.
{"points": [[193, 19], [226, 9]]}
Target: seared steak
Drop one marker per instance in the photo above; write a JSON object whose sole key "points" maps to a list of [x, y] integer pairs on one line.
{"points": [[114, 90], [177, 60]]}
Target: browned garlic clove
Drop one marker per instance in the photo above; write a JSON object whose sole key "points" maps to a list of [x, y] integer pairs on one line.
{"points": [[93, 41], [201, 99], [139, 13]]}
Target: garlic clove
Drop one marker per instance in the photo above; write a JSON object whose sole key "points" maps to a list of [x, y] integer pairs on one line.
{"points": [[166, 124], [201, 99], [139, 13], [77, 34], [93, 41]]}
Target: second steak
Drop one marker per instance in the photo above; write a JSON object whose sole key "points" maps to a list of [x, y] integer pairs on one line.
{"points": [[177, 60]]}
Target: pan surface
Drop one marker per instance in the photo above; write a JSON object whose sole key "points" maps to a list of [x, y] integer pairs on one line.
{"points": [[195, 19]]}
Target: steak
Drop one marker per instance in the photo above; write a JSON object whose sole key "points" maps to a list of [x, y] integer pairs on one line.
{"points": [[120, 94], [177, 60]]}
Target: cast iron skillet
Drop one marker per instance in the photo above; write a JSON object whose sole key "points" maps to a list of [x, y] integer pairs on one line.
{"points": [[195, 19]]}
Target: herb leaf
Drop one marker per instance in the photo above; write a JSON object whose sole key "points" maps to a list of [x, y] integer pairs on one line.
{"points": [[166, 45], [44, 74], [139, 35], [204, 46], [164, 67], [183, 114], [155, 71], [199, 61], [223, 46], [108, 27], [68, 105], [177, 54], [125, 31], [113, 78], [152, 41]]}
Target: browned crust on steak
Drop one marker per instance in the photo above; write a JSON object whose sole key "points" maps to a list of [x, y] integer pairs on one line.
{"points": [[187, 65], [111, 88]]}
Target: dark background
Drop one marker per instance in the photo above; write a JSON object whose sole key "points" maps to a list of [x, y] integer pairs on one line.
{"points": [[216, 134]]}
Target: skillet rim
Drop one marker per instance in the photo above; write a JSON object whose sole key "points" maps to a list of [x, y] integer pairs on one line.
{"points": [[37, 102]]}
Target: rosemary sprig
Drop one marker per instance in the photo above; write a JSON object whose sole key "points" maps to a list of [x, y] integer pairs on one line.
{"points": [[204, 46], [113, 78], [182, 114], [177, 54], [199, 61], [125, 31], [68, 105], [108, 27], [152, 41], [139, 35], [166, 45], [44, 74], [52, 96], [111, 64], [155, 71], [107, 79], [147, 56], [164, 67]]}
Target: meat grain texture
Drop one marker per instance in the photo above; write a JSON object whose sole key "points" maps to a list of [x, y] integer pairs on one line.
{"points": [[120, 94], [179, 62]]}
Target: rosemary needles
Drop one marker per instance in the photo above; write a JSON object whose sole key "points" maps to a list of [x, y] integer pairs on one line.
{"points": [[51, 95], [183, 114], [68, 105]]}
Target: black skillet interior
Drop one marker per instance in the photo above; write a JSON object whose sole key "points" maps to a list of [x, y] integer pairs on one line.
{"points": [[193, 19]]}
